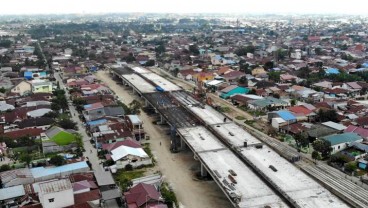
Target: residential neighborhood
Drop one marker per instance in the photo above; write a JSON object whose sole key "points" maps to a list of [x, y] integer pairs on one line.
{"points": [[137, 110]]}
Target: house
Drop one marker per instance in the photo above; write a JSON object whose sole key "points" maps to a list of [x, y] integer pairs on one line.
{"points": [[125, 155], [135, 125], [358, 130], [186, 74], [41, 122], [287, 78], [42, 87], [267, 103], [5, 106], [243, 99], [15, 134], [302, 113], [22, 88], [232, 90], [93, 111], [341, 141], [233, 76], [56, 193], [329, 71], [203, 76], [143, 195], [127, 142], [9, 194], [258, 71], [38, 112], [284, 114]]}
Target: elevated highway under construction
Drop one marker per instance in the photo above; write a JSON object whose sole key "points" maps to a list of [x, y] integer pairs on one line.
{"points": [[250, 173]]}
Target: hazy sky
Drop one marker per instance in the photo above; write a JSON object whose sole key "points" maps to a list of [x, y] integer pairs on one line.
{"points": [[183, 6]]}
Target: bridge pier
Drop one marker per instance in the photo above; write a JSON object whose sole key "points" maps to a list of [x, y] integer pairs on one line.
{"points": [[204, 172], [183, 145]]}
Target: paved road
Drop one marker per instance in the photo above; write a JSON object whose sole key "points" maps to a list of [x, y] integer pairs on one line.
{"points": [[90, 152]]}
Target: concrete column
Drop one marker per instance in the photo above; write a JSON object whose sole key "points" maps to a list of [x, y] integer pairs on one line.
{"points": [[203, 171], [161, 119], [146, 103], [182, 144]]}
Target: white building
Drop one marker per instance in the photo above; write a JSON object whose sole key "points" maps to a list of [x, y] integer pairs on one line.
{"points": [[56, 194]]}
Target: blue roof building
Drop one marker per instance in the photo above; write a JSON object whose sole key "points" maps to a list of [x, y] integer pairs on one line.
{"points": [[342, 141], [332, 71], [286, 115], [232, 90], [28, 75], [42, 173]]}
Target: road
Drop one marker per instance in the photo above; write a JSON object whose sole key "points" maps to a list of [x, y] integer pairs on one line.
{"points": [[177, 169], [90, 152]]}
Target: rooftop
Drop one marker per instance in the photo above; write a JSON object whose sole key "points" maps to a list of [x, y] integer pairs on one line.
{"points": [[43, 172], [55, 186], [342, 138], [11, 192]]}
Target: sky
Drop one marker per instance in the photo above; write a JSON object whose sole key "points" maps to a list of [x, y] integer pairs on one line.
{"points": [[183, 6]]}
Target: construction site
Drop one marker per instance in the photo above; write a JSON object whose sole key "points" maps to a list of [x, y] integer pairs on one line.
{"points": [[251, 169]]}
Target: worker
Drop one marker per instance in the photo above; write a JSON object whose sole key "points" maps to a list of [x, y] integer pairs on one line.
{"points": [[160, 143]]}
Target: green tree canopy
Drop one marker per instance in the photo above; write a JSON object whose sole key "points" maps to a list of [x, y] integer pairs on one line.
{"points": [[57, 160], [323, 147]]}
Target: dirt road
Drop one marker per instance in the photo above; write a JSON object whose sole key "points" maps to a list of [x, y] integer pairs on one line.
{"points": [[176, 168]]}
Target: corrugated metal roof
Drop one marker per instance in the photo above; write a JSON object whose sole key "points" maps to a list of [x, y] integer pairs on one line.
{"points": [[342, 138], [334, 125], [11, 192], [123, 151], [42, 172], [134, 119], [286, 115], [55, 186]]}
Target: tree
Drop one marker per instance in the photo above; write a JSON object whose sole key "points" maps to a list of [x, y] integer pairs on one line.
{"points": [[79, 140], [2, 90], [67, 123], [323, 147], [268, 65], [169, 196], [160, 49], [292, 102], [274, 75], [135, 107], [194, 49], [276, 96], [315, 155], [4, 167], [150, 63], [301, 140], [57, 160], [327, 115], [350, 166], [26, 158]]}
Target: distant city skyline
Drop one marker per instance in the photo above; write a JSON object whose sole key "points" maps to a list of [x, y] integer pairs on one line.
{"points": [[188, 6]]}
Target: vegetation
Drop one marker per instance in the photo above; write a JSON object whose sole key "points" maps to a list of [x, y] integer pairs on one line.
{"points": [[57, 160], [59, 102], [63, 138], [67, 123], [134, 107], [327, 115], [124, 178], [25, 158], [244, 50], [4, 167], [315, 155], [239, 117], [301, 140], [351, 166], [323, 147], [169, 196]]}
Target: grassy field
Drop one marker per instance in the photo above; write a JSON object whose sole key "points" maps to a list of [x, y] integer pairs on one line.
{"points": [[63, 138]]}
